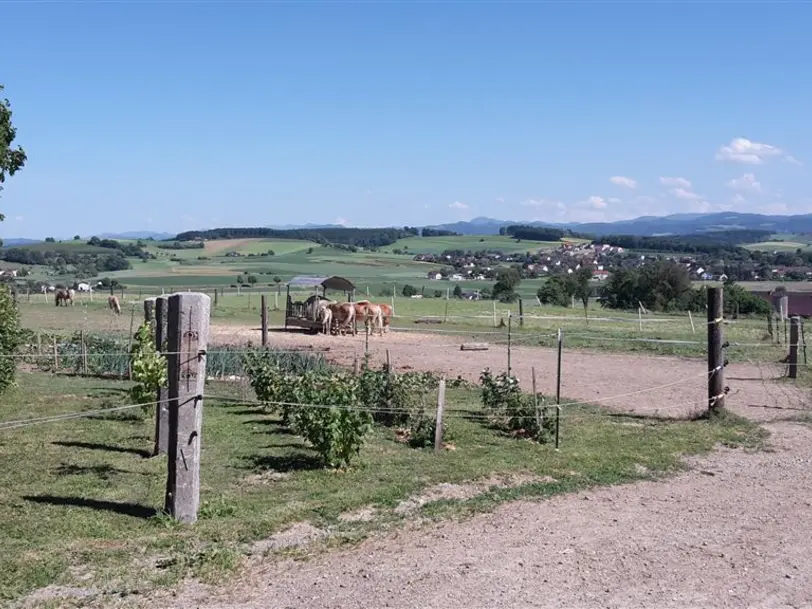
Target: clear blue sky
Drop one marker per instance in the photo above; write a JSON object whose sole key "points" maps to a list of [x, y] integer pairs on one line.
{"points": [[181, 115]]}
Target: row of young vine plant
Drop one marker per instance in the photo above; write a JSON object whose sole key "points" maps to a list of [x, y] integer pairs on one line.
{"points": [[334, 410]]}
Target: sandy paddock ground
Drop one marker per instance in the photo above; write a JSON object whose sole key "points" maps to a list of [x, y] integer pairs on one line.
{"points": [[646, 384], [731, 532]]}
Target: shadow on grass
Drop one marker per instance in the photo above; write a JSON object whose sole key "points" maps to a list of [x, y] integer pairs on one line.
{"points": [[298, 461], [135, 510], [104, 472], [141, 452]]}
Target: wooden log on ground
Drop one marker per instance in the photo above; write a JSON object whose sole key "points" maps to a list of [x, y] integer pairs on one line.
{"points": [[474, 347]]}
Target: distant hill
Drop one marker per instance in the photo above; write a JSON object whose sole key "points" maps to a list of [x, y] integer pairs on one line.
{"points": [[18, 241], [137, 235], [649, 226]]}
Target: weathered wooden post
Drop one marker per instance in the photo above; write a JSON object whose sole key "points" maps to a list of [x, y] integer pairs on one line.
{"points": [[149, 310], [188, 331], [794, 336], [521, 313], [162, 407], [216, 297], [558, 388], [509, 336], [438, 421], [264, 319], [716, 370]]}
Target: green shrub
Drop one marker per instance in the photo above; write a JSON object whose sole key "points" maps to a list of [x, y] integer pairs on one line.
{"points": [[511, 410], [10, 337], [149, 369], [321, 405]]}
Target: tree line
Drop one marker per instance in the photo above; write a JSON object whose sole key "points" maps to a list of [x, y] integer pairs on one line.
{"points": [[359, 237], [537, 233], [715, 243], [660, 286]]}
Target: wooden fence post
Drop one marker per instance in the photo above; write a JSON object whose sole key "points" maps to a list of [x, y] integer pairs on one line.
{"points": [[130, 344], [438, 422], [794, 335], [558, 388], [188, 332], [447, 294], [509, 337], [149, 310], [521, 313], [84, 353], [716, 370], [216, 298], [264, 319], [161, 408]]}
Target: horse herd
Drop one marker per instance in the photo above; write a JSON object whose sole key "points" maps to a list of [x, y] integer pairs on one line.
{"points": [[64, 297], [342, 317]]}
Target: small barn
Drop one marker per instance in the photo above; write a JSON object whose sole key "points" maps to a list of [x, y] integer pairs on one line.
{"points": [[303, 313]]}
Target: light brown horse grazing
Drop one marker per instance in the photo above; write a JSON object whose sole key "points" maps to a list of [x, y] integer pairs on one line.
{"points": [[62, 295], [112, 302]]}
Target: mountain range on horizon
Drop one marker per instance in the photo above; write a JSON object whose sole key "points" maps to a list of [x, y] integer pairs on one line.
{"points": [[643, 226]]}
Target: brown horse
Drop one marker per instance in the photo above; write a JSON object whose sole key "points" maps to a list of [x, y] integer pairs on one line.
{"points": [[62, 295], [112, 303]]}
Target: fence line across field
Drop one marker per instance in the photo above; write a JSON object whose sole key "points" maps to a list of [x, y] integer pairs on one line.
{"points": [[92, 413]]}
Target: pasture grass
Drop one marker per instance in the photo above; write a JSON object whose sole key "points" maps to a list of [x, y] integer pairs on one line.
{"points": [[81, 501], [507, 245]]}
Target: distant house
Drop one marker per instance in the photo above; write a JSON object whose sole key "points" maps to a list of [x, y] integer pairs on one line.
{"points": [[600, 275], [470, 294], [799, 303], [435, 275]]}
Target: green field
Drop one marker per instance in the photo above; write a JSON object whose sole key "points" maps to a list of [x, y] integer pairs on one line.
{"points": [[783, 242], [82, 501], [436, 245]]}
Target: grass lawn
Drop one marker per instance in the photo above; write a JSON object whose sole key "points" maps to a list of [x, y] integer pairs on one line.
{"points": [[436, 245], [81, 501]]}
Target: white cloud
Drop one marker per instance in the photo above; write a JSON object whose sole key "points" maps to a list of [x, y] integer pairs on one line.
{"points": [[614, 200], [685, 194], [792, 160], [738, 199], [675, 182], [500, 199], [19, 218], [341, 221], [745, 183], [458, 205], [623, 181], [742, 150], [596, 202]]}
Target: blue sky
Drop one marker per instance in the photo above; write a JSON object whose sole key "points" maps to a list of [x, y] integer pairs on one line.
{"points": [[181, 115]]}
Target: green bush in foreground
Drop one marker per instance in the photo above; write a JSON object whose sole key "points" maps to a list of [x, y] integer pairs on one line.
{"points": [[10, 337]]}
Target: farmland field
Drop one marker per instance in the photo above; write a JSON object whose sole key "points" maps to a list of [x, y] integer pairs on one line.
{"points": [[435, 245], [783, 242], [631, 388]]}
